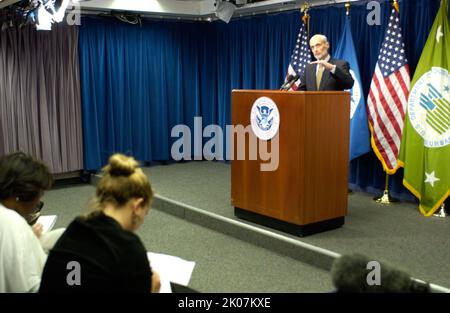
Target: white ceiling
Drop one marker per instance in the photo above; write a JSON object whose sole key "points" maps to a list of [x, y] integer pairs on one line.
{"points": [[187, 9], [183, 8]]}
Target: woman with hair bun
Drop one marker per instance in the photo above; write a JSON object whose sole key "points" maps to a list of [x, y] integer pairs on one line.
{"points": [[100, 252]]}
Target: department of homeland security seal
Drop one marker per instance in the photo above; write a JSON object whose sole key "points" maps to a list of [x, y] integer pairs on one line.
{"points": [[429, 107], [355, 95], [265, 118]]}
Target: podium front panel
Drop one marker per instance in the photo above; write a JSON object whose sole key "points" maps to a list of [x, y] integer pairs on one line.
{"points": [[310, 183]]}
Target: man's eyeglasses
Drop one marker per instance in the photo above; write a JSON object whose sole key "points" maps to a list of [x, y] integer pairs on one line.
{"points": [[33, 216]]}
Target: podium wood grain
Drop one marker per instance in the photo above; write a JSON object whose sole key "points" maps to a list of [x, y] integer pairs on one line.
{"points": [[311, 182]]}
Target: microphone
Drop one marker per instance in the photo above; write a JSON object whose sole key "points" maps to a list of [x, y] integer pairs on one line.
{"points": [[351, 273], [287, 82], [296, 77]]}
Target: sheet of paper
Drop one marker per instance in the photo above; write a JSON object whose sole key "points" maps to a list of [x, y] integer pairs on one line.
{"points": [[171, 269], [47, 221], [165, 285]]}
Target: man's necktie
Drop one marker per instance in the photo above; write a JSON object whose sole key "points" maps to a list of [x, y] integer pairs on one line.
{"points": [[319, 75]]}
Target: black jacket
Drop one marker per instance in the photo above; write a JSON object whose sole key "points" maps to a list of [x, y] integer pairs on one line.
{"points": [[110, 259], [340, 80]]}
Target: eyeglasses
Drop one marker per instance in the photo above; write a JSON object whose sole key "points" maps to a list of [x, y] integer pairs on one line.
{"points": [[33, 216]]}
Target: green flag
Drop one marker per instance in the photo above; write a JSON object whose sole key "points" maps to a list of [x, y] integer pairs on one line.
{"points": [[425, 147]]}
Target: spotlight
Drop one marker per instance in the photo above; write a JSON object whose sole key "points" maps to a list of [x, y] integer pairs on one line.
{"points": [[225, 11], [44, 19], [50, 11]]}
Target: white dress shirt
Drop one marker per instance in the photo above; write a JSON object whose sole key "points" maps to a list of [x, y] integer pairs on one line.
{"points": [[22, 257]]}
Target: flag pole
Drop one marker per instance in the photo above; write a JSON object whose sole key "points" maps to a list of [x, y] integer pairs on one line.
{"points": [[305, 18], [386, 198]]}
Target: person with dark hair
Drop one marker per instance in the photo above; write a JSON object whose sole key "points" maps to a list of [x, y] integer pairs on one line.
{"points": [[100, 252], [23, 180]]}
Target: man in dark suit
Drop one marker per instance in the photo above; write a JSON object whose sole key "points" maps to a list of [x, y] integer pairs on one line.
{"points": [[326, 73]]}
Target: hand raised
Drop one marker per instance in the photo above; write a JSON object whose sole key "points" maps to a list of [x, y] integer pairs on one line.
{"points": [[37, 229], [325, 64]]}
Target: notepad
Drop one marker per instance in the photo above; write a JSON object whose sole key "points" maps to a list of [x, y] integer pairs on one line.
{"points": [[171, 269], [47, 221]]}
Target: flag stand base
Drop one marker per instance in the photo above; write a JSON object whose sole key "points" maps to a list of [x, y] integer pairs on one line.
{"points": [[441, 212], [385, 199]]}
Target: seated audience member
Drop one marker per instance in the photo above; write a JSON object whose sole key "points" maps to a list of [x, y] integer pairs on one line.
{"points": [[23, 181], [100, 252]]}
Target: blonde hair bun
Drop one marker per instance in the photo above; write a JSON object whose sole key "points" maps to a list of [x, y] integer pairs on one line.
{"points": [[121, 165]]}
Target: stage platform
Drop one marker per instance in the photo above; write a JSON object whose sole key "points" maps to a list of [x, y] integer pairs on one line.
{"points": [[199, 192]]}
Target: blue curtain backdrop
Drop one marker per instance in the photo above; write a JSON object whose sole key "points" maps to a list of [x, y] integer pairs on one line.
{"points": [[140, 81]]}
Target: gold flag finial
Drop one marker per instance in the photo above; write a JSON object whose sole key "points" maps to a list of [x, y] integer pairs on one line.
{"points": [[396, 7], [304, 9], [347, 8], [305, 6]]}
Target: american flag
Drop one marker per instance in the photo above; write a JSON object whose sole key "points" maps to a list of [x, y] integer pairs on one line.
{"points": [[388, 96], [300, 57]]}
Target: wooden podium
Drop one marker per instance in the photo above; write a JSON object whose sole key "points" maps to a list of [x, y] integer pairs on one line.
{"points": [[308, 191]]}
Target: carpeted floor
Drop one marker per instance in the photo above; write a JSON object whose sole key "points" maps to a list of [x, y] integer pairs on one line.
{"points": [[223, 264], [398, 234]]}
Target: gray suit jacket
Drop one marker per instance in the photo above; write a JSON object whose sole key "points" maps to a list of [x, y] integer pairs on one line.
{"points": [[340, 80]]}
